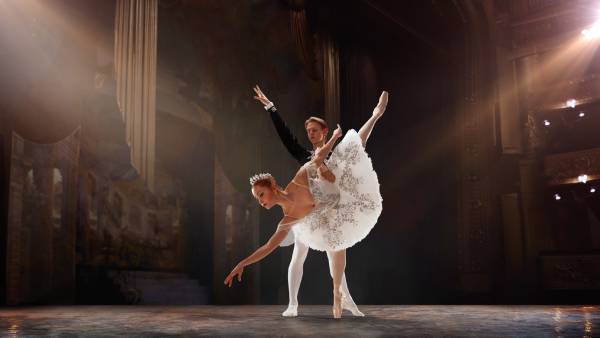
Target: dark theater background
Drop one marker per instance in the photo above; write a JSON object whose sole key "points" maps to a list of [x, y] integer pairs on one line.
{"points": [[128, 132]]}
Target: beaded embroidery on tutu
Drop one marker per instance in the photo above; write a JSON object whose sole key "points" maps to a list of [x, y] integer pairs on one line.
{"points": [[347, 209]]}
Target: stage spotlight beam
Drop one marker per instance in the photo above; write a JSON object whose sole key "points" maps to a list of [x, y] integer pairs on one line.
{"points": [[593, 32]]}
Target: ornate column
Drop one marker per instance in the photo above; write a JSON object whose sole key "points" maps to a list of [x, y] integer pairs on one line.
{"points": [[476, 230], [530, 167]]}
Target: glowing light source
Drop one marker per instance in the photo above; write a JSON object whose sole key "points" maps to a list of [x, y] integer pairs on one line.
{"points": [[592, 190], [546, 123], [582, 178], [557, 197], [571, 103], [592, 32], [581, 114]]}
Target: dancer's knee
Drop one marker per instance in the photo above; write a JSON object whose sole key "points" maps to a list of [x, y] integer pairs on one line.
{"points": [[300, 251], [298, 258]]}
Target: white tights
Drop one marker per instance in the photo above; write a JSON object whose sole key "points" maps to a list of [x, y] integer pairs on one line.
{"points": [[295, 272]]}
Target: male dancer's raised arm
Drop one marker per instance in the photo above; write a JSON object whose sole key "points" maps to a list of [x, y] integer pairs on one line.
{"points": [[301, 154]]}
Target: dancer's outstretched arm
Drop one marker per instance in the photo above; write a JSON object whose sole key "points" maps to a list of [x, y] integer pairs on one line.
{"points": [[365, 130], [260, 253], [322, 153], [290, 141]]}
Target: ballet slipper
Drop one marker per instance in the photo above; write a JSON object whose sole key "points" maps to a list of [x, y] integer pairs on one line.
{"points": [[291, 311], [381, 105], [351, 306]]}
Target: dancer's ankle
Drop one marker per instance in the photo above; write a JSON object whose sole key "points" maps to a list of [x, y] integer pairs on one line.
{"points": [[337, 303]]}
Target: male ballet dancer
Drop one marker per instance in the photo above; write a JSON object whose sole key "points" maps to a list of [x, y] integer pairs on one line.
{"points": [[316, 131]]}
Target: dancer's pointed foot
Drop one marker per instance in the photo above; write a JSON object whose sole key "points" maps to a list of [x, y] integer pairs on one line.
{"points": [[337, 304], [349, 305], [381, 105], [291, 311]]}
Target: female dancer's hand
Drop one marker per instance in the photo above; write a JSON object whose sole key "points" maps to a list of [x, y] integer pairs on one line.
{"points": [[337, 133], [322, 152], [326, 174], [260, 96], [238, 270]]}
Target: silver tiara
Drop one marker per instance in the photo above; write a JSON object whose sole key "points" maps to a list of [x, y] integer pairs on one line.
{"points": [[259, 177]]}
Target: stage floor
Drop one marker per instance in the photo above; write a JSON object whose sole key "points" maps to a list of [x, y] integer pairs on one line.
{"points": [[314, 321]]}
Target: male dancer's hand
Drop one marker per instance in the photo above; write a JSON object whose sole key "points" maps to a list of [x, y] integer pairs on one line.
{"points": [[381, 105], [260, 96], [238, 270]]}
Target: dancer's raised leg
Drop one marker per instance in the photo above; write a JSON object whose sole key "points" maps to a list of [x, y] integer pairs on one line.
{"points": [[347, 301], [365, 130], [295, 271], [338, 259]]}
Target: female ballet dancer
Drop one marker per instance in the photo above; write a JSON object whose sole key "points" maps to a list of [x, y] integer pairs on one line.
{"points": [[316, 132], [330, 204]]}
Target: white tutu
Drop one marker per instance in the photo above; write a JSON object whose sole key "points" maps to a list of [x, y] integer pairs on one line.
{"points": [[346, 210]]}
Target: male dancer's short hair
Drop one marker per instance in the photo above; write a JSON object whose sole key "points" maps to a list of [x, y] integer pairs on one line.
{"points": [[318, 120]]}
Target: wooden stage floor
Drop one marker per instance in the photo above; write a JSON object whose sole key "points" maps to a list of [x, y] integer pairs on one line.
{"points": [[313, 321]]}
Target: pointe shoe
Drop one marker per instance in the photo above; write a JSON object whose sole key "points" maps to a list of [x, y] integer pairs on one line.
{"points": [[337, 305], [350, 306], [381, 105], [291, 311]]}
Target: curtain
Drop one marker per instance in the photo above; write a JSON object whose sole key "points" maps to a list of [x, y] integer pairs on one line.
{"points": [[331, 80], [302, 37], [135, 72]]}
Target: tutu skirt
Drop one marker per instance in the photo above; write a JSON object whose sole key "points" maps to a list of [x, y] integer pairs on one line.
{"points": [[345, 210]]}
